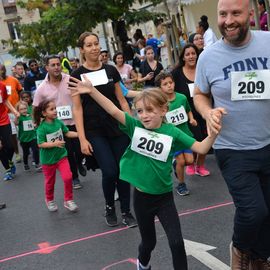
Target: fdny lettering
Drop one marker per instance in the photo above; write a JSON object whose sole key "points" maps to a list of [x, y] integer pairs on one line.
{"points": [[253, 63]]}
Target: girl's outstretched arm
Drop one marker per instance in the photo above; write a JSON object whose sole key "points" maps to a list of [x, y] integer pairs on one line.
{"points": [[78, 87]]}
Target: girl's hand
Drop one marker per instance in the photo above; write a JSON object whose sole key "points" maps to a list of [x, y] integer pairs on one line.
{"points": [[214, 120], [193, 122], [78, 87], [86, 147], [59, 144]]}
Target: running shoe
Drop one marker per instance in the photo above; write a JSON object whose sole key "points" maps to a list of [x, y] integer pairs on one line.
{"points": [[110, 216], [77, 183], [2, 205], [190, 170], [201, 171], [52, 207], [38, 168], [26, 168], [141, 267], [18, 158], [82, 170], [71, 206], [182, 190], [12, 168], [8, 176], [129, 220]]}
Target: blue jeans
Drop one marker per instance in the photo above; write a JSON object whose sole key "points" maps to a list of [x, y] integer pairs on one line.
{"points": [[247, 174], [108, 152]]}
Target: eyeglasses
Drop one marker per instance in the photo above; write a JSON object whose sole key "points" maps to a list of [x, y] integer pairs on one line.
{"points": [[33, 65], [199, 38]]}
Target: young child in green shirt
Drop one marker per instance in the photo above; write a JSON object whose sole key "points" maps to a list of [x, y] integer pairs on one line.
{"points": [[179, 115], [146, 165], [53, 154], [27, 135]]}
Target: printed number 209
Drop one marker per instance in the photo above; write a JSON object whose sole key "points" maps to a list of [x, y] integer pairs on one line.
{"points": [[251, 87], [151, 145]]}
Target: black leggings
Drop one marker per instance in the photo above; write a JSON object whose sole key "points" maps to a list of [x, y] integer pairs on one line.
{"points": [[75, 155], [146, 207], [26, 146], [7, 151]]}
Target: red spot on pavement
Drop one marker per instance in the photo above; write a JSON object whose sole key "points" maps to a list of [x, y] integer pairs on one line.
{"points": [[45, 248]]}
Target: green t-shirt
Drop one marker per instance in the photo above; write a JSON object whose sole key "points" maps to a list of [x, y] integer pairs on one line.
{"points": [[145, 173], [50, 131], [181, 100], [26, 128]]}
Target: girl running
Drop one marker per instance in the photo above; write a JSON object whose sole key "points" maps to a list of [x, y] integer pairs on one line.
{"points": [[53, 154], [146, 164], [27, 135]]}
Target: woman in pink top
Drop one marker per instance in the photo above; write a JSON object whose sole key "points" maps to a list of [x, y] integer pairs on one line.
{"points": [[127, 73]]}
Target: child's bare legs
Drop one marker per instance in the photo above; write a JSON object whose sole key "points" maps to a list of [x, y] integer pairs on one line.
{"points": [[182, 160]]}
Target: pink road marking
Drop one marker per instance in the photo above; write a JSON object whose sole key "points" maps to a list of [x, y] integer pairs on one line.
{"points": [[47, 248], [129, 260]]}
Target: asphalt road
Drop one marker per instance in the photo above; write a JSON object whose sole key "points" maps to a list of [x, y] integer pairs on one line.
{"points": [[33, 238]]}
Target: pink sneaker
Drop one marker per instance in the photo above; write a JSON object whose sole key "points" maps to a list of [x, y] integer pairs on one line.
{"points": [[201, 171], [190, 170]]}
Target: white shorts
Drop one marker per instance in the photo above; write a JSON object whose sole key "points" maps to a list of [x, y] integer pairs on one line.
{"points": [[12, 124]]}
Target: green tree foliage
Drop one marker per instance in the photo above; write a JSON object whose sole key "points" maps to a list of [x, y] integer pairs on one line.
{"points": [[62, 21]]}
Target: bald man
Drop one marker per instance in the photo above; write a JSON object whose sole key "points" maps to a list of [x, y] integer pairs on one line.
{"points": [[237, 87]]}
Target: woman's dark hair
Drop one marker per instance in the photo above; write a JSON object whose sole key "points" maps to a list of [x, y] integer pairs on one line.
{"points": [[115, 56], [38, 116], [138, 34], [181, 62], [204, 22], [191, 37], [262, 2]]}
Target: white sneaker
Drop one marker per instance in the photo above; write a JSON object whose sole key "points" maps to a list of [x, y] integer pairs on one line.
{"points": [[52, 207], [71, 206]]}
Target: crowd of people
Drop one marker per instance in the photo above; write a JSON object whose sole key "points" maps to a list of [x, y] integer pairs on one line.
{"points": [[72, 116]]}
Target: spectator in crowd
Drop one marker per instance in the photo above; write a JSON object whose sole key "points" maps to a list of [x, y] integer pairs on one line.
{"points": [[75, 63], [207, 33], [65, 64], [263, 16], [105, 58], [34, 77], [197, 40], [149, 68], [126, 71], [20, 73]]}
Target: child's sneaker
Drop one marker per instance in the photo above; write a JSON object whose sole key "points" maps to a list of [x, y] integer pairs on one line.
{"points": [[12, 168], [71, 206], [190, 170], [18, 158], [182, 190], [26, 168], [110, 216], [201, 171], [129, 220], [52, 207], [141, 267], [8, 176], [38, 168]]}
